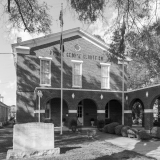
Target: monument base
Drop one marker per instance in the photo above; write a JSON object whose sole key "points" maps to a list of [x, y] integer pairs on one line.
{"points": [[14, 154]]}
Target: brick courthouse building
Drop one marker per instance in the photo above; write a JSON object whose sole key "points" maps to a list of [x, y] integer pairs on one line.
{"points": [[92, 85]]}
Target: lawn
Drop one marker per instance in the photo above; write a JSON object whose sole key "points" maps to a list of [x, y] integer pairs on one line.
{"points": [[77, 146]]}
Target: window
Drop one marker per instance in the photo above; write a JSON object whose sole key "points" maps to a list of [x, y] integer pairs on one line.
{"points": [[105, 76], [45, 71], [48, 110], [77, 73]]}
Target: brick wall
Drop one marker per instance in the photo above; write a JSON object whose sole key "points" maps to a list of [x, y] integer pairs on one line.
{"points": [[28, 77]]}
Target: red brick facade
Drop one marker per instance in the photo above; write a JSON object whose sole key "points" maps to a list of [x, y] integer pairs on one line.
{"points": [[28, 79], [92, 53]]}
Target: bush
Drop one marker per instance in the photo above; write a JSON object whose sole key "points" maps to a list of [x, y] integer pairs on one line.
{"points": [[118, 129], [132, 133], [155, 132], [157, 124], [73, 122], [73, 125], [111, 127], [143, 135], [100, 124], [124, 131], [105, 129]]}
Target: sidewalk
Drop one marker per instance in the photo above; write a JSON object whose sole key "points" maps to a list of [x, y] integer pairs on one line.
{"points": [[149, 148]]}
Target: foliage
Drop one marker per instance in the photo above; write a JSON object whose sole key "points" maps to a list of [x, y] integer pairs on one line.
{"points": [[111, 127], [144, 48], [29, 15], [132, 133], [87, 11], [73, 122], [132, 10], [144, 135], [124, 131], [100, 124], [105, 129], [118, 129], [155, 132]]}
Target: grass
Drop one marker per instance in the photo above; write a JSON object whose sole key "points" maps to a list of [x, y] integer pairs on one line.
{"points": [[77, 146]]}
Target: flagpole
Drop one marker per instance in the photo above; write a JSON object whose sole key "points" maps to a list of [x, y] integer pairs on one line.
{"points": [[61, 22]]}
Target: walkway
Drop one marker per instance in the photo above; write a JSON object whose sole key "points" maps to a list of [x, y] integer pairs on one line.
{"points": [[149, 148]]}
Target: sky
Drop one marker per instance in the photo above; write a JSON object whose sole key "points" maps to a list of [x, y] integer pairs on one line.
{"points": [[7, 68]]}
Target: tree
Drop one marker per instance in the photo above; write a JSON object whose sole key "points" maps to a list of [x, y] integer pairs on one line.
{"points": [[29, 15], [133, 10], [144, 50]]}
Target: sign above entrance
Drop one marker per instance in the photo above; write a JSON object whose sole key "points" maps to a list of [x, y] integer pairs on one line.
{"points": [[84, 56]]}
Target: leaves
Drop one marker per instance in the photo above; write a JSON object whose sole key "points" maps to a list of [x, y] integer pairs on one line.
{"points": [[30, 15], [87, 10]]}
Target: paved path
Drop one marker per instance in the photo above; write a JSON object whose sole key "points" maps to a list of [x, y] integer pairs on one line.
{"points": [[149, 148]]}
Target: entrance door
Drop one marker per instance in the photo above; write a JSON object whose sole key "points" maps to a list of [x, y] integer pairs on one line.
{"points": [[80, 113]]}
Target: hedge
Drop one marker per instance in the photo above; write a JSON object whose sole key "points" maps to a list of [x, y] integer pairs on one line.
{"points": [[118, 129], [124, 131]]}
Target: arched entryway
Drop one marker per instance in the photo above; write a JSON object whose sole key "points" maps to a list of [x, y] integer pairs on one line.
{"points": [[87, 111], [113, 111], [53, 111], [156, 111], [137, 113]]}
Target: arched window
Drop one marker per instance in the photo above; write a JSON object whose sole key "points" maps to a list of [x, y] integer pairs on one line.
{"points": [[137, 113]]}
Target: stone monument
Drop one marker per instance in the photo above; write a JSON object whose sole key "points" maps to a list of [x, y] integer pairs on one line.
{"points": [[33, 140]]}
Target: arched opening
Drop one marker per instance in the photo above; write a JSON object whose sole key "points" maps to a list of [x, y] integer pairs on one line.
{"points": [[113, 111], [156, 111], [87, 111], [53, 111], [138, 113]]}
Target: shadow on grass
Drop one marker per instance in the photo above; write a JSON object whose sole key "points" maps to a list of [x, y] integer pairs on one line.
{"points": [[65, 149], [125, 155]]}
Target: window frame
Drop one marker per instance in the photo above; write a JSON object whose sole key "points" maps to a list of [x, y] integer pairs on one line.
{"points": [[108, 76], [73, 82], [46, 59]]}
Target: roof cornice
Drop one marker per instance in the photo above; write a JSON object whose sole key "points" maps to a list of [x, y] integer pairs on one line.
{"points": [[56, 36]]}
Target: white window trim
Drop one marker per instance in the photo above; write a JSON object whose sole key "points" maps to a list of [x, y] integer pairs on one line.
{"points": [[106, 64], [48, 59], [80, 62]]}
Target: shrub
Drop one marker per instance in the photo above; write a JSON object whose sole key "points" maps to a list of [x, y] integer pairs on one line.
{"points": [[111, 127], [144, 135], [124, 131], [100, 124], [155, 132], [132, 133], [73, 125], [118, 129], [73, 122], [105, 129]]}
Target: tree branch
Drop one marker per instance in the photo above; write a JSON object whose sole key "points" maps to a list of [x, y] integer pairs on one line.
{"points": [[9, 6], [30, 5], [19, 9]]}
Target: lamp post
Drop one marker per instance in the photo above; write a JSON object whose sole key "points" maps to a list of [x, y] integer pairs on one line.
{"points": [[39, 93]]}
